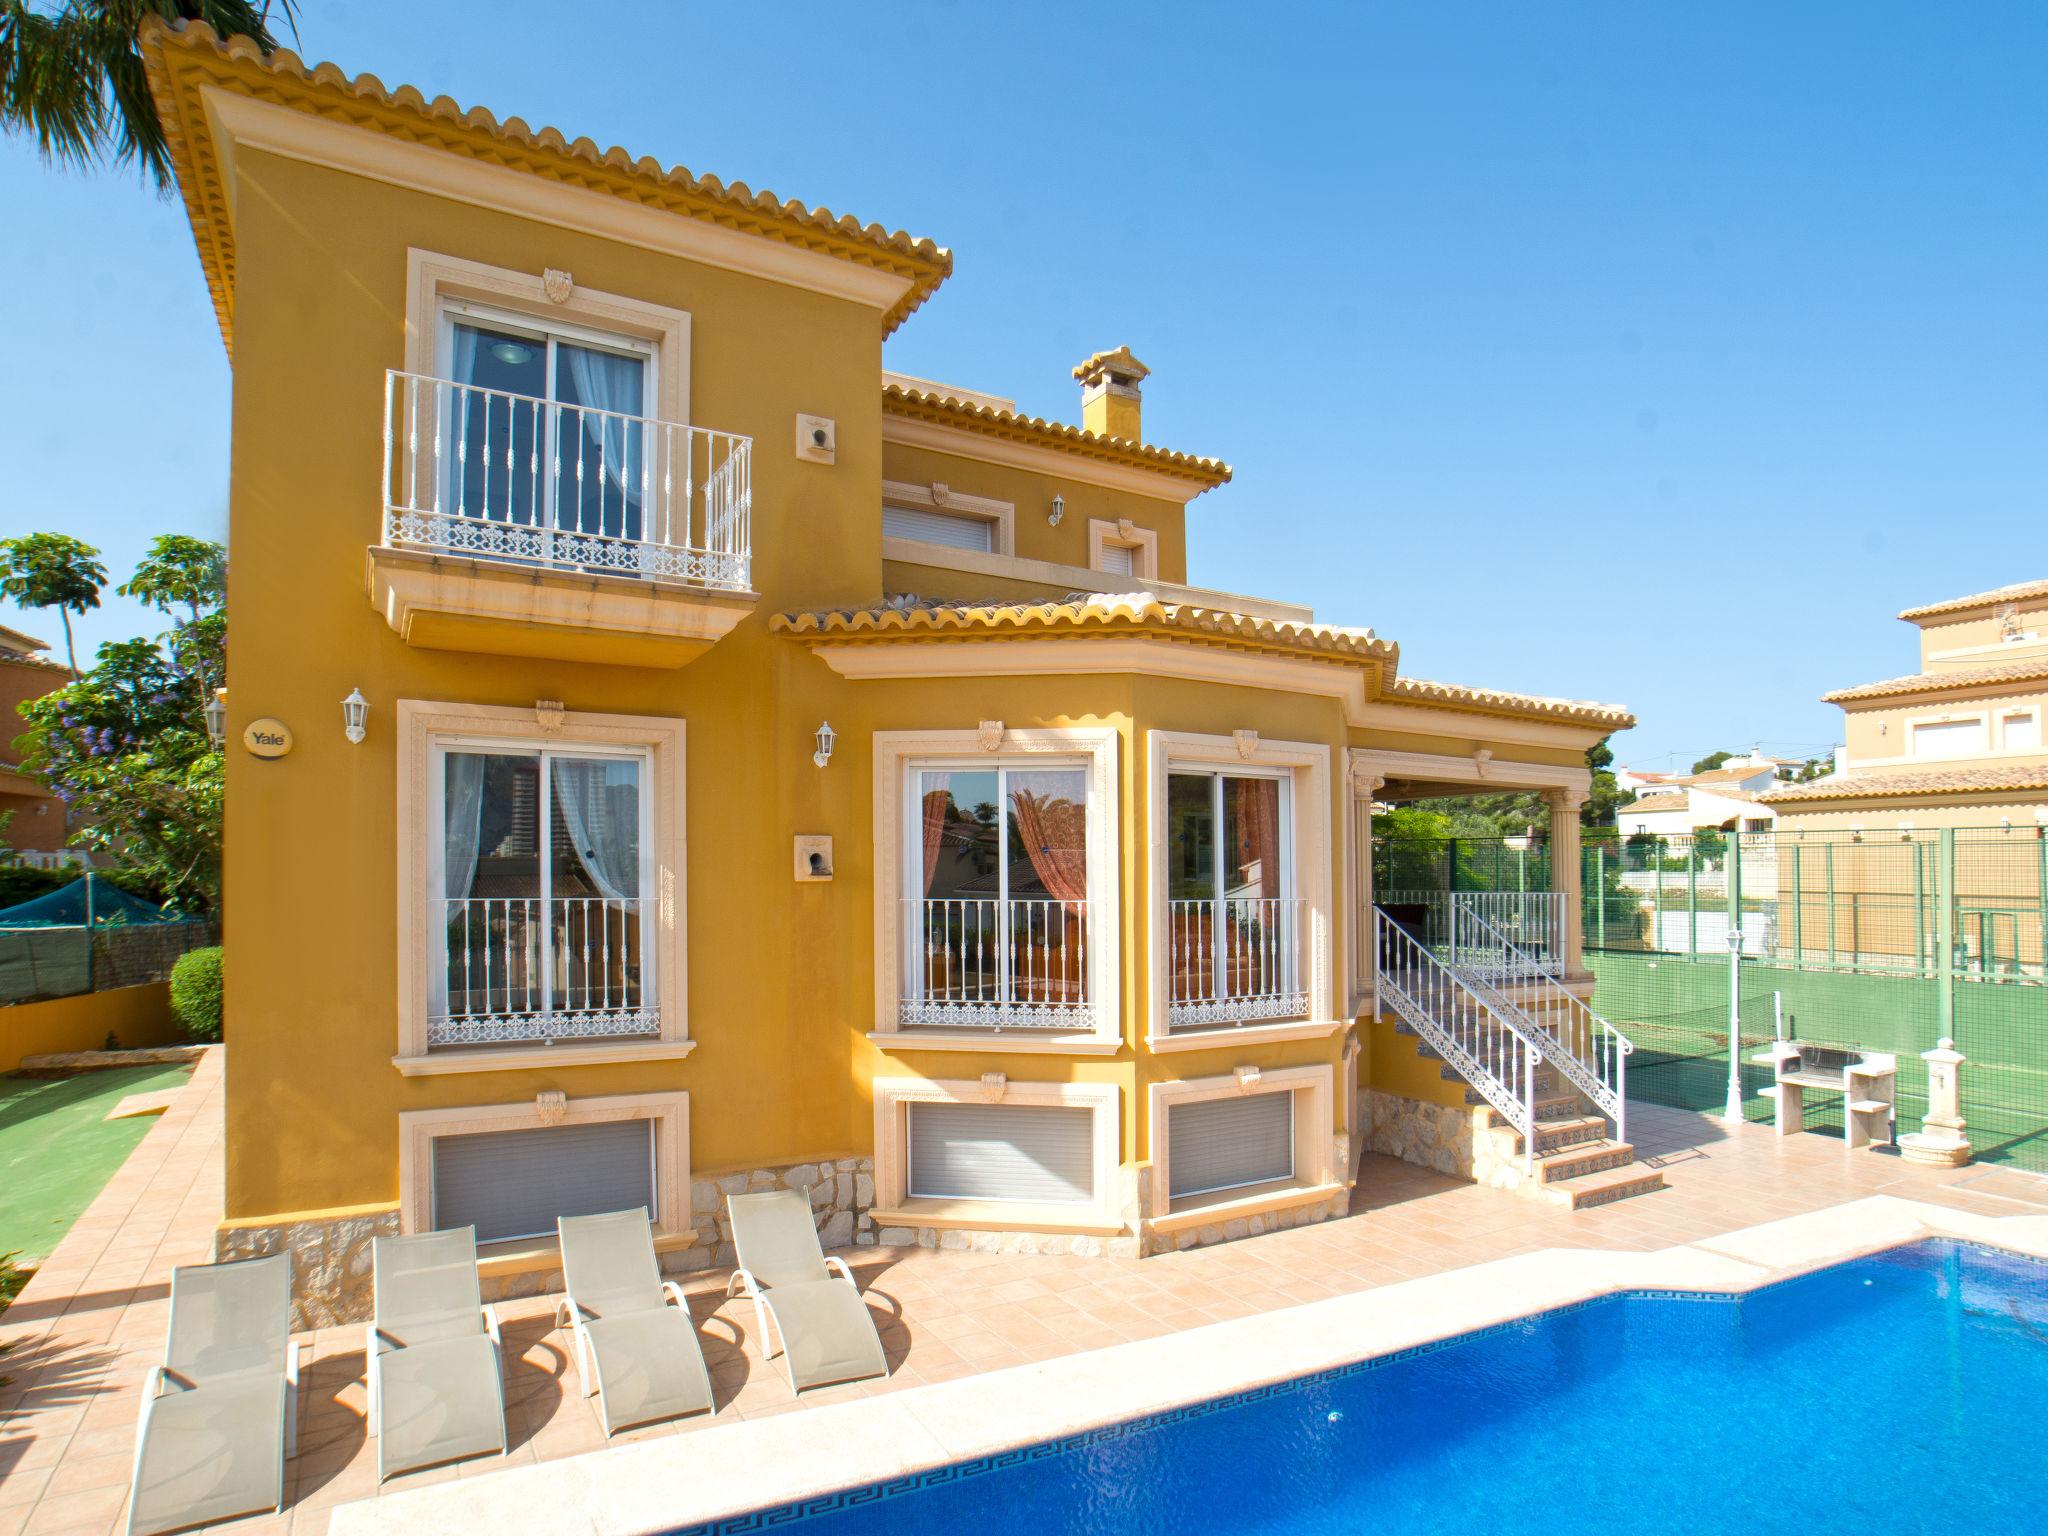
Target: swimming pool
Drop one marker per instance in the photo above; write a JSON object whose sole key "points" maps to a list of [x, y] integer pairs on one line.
{"points": [[1898, 1393]]}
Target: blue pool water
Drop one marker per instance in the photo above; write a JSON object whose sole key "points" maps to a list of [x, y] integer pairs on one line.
{"points": [[1897, 1394]]}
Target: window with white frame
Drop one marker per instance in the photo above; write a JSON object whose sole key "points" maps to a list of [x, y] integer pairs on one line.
{"points": [[2020, 731], [927, 525], [1233, 920], [551, 423], [1949, 738], [538, 893], [996, 919]]}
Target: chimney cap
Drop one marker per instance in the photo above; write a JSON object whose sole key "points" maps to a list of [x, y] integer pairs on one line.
{"points": [[1105, 367]]}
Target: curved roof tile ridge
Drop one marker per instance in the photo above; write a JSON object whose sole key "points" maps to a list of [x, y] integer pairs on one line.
{"points": [[925, 262], [975, 417], [1422, 690]]}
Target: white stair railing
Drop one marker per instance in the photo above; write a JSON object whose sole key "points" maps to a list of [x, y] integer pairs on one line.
{"points": [[1490, 1049], [1590, 1052]]}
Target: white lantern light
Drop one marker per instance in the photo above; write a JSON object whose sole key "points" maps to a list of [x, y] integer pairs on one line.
{"points": [[1059, 510], [823, 754], [355, 715], [216, 713]]}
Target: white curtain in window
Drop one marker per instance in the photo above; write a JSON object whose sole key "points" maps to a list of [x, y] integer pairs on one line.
{"points": [[462, 817], [607, 382], [600, 803]]}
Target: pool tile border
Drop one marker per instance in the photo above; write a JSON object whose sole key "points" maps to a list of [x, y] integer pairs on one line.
{"points": [[731, 1480]]}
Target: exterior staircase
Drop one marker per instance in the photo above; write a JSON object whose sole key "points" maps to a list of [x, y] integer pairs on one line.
{"points": [[1549, 1073]]}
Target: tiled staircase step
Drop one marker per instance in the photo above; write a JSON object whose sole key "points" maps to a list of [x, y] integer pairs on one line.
{"points": [[1590, 1157], [1603, 1188], [1568, 1132], [1547, 1086], [1563, 1106]]}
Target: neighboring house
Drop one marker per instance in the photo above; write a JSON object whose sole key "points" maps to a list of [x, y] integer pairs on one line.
{"points": [[1725, 798], [1959, 743], [36, 830], [768, 770]]}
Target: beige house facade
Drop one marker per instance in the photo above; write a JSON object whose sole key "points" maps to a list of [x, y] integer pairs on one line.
{"points": [[1957, 743]]}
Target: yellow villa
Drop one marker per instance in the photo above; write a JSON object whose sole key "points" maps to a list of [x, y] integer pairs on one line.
{"points": [[760, 769]]}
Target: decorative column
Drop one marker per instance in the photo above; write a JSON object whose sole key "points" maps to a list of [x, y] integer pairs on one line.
{"points": [[1940, 1142], [1365, 784], [1566, 877]]}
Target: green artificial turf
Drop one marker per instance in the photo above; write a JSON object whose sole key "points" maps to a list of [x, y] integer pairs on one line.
{"points": [[58, 1149]]}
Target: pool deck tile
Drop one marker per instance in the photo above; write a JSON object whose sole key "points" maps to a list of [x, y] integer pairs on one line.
{"points": [[1100, 1337]]}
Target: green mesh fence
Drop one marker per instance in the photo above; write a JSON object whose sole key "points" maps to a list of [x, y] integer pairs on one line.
{"points": [[1871, 942]]}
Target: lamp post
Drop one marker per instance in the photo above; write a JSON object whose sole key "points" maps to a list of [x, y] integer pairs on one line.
{"points": [[1733, 1113]]}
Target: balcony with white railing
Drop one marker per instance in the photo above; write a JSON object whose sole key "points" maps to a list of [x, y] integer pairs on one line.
{"points": [[536, 969], [1234, 961], [508, 515], [990, 964]]}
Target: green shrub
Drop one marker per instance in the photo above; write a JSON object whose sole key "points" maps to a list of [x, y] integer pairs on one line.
{"points": [[196, 992]]}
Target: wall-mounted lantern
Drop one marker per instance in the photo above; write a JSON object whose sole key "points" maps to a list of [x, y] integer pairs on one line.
{"points": [[355, 716], [216, 713], [823, 754], [1059, 510]]}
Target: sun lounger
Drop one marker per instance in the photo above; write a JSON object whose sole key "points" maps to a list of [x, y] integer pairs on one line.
{"points": [[826, 1332], [436, 1393], [638, 1353], [218, 1415]]}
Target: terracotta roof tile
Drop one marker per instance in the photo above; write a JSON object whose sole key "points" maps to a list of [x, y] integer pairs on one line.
{"points": [[1416, 690], [1937, 781], [1941, 682], [182, 57], [1083, 612], [972, 416], [2013, 593]]}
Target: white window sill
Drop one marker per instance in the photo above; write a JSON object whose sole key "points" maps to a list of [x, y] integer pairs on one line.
{"points": [[1231, 1204], [1009, 1042], [1225, 1036], [520, 1058], [997, 1216]]}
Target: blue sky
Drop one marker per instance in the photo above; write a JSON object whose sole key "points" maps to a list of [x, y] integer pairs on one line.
{"points": [[1649, 353]]}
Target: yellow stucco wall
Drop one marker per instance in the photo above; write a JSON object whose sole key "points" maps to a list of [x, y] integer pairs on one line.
{"points": [[135, 1016], [1032, 491]]}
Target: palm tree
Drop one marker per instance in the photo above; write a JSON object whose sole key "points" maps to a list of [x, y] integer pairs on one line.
{"points": [[52, 570], [71, 74]]}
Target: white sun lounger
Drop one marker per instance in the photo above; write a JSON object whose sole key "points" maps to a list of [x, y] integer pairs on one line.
{"points": [[218, 1415], [826, 1332], [436, 1393], [638, 1353]]}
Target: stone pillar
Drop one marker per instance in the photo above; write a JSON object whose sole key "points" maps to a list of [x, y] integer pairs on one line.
{"points": [[1564, 872], [1365, 784], [1940, 1142]]}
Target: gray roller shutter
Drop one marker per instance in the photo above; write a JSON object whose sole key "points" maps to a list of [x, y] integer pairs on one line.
{"points": [[515, 1183], [1217, 1144], [1116, 559], [948, 528], [1035, 1154]]}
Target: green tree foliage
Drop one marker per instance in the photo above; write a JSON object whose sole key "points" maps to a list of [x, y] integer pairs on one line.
{"points": [[71, 75], [52, 570], [1711, 761], [125, 746]]}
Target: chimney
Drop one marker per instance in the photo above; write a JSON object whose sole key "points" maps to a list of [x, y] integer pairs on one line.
{"points": [[1110, 394]]}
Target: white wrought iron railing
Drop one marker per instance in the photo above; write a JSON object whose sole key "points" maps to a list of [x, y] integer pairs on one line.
{"points": [[1492, 1050], [1521, 987], [1534, 920], [1234, 961], [534, 968], [990, 964], [497, 476]]}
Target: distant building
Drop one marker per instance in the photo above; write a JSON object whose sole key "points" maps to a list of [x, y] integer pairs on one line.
{"points": [[1958, 743], [1725, 799], [37, 824]]}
